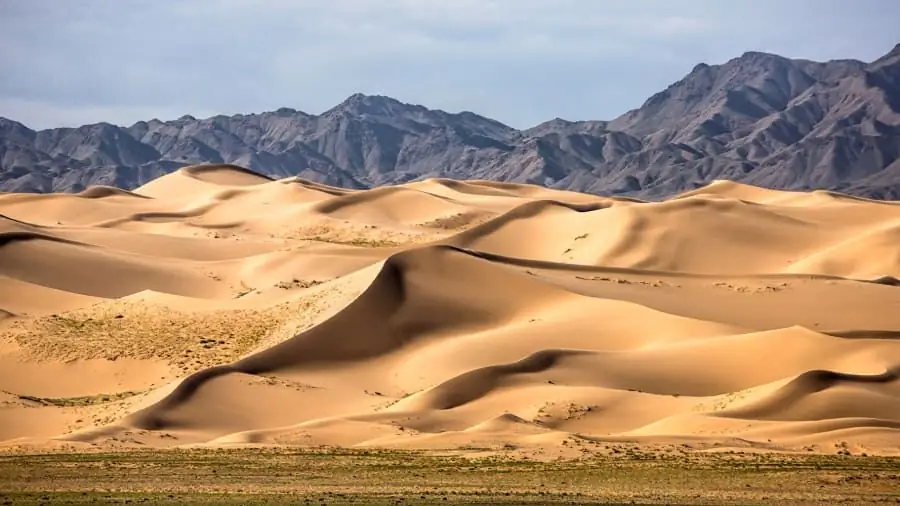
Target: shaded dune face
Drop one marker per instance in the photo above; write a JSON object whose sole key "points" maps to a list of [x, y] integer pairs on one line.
{"points": [[217, 306]]}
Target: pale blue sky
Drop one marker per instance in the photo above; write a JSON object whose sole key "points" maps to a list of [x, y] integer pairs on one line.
{"points": [[518, 61]]}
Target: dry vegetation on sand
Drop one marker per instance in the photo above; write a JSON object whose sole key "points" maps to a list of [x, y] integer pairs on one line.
{"points": [[341, 476]]}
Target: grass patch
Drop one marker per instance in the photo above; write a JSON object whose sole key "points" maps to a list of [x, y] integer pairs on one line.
{"points": [[88, 400], [344, 476], [364, 242], [297, 283], [189, 341], [458, 221]]}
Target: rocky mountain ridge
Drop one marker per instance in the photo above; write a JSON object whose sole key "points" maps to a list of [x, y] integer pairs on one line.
{"points": [[759, 118]]}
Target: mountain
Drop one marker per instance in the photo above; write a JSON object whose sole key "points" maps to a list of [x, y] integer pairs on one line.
{"points": [[759, 118]]}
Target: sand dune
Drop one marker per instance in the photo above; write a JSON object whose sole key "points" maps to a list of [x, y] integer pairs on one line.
{"points": [[215, 306]]}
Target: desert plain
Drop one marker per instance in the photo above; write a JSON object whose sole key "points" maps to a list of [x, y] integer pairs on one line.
{"points": [[215, 314]]}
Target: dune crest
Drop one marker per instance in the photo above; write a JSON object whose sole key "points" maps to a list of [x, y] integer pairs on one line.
{"points": [[215, 306]]}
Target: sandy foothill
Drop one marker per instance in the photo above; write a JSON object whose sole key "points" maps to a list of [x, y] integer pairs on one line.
{"points": [[218, 307]]}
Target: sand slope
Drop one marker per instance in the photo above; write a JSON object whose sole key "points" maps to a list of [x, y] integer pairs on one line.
{"points": [[216, 306]]}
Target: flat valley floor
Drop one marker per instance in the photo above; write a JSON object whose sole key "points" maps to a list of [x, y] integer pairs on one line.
{"points": [[637, 475]]}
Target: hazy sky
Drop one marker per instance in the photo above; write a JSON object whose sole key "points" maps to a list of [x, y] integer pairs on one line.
{"points": [[70, 62]]}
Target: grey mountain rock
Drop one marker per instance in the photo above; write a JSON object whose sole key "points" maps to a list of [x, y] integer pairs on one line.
{"points": [[758, 118]]}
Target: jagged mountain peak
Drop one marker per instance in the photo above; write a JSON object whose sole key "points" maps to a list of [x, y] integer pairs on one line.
{"points": [[700, 67], [759, 118], [893, 53], [890, 59], [759, 57], [376, 105]]}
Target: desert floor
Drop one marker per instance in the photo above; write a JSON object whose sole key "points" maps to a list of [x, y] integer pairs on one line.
{"points": [[216, 308], [636, 475]]}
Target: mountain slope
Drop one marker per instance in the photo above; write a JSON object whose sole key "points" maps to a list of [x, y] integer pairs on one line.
{"points": [[759, 118]]}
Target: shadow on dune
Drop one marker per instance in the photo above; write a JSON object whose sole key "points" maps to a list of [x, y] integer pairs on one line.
{"points": [[396, 309]]}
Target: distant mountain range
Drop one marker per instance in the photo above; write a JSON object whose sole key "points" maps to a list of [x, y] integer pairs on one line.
{"points": [[759, 118]]}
